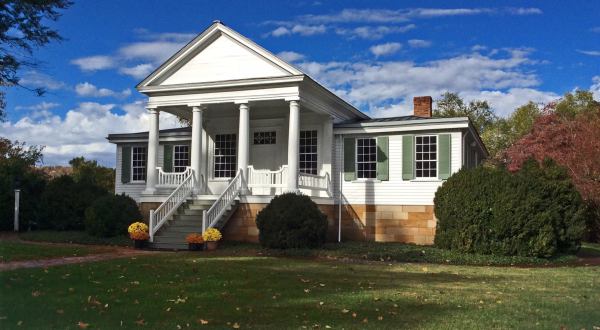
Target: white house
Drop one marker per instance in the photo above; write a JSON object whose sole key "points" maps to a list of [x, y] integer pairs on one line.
{"points": [[259, 127]]}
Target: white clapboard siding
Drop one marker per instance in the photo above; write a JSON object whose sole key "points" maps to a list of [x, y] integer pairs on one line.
{"points": [[224, 59], [133, 190], [395, 191]]}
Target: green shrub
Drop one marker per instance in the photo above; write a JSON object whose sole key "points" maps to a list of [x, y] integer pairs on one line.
{"points": [[533, 212], [111, 215], [291, 221], [64, 201]]}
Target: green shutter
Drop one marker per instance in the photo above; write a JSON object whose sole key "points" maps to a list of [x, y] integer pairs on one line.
{"points": [[349, 159], [168, 158], [444, 152], [383, 162], [408, 146], [125, 164]]}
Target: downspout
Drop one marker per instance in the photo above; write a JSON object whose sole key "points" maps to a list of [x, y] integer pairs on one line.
{"points": [[464, 152], [340, 198]]}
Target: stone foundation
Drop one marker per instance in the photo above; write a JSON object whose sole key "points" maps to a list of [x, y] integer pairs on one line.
{"points": [[380, 223], [145, 208]]}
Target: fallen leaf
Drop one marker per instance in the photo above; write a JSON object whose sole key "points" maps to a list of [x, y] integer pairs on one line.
{"points": [[345, 311], [321, 303], [140, 322], [203, 322], [236, 325], [380, 318], [83, 325], [35, 293], [307, 290]]}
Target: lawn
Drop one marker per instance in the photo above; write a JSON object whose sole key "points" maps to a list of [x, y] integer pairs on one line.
{"points": [[18, 251], [78, 237], [203, 290]]}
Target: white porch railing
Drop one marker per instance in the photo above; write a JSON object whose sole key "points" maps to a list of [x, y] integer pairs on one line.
{"points": [[159, 216], [267, 178], [214, 213], [318, 182], [171, 179]]}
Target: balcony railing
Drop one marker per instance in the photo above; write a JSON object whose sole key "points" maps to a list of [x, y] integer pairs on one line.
{"points": [[171, 179]]}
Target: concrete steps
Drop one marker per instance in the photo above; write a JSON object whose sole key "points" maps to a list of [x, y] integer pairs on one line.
{"points": [[187, 220]]}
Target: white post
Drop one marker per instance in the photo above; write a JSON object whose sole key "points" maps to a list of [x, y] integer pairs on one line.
{"points": [[151, 223], [196, 155], [204, 220], [17, 198], [326, 148], [293, 146], [244, 144], [151, 172]]}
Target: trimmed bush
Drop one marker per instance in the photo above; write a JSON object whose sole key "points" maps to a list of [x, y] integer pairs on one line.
{"points": [[64, 201], [534, 212], [111, 215], [291, 221]]}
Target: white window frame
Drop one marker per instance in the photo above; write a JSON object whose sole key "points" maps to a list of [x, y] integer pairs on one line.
{"points": [[437, 159], [264, 132], [356, 158], [214, 155], [189, 153], [316, 153], [145, 167]]}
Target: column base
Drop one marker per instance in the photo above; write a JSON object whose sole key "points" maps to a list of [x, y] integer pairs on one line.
{"points": [[149, 191]]}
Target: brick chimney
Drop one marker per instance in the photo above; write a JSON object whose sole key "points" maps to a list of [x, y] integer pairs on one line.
{"points": [[422, 106]]}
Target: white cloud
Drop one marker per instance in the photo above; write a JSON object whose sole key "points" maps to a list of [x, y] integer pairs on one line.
{"points": [[524, 11], [82, 131], [38, 107], [89, 90], [589, 52], [300, 29], [290, 56], [595, 88], [595, 29], [384, 87], [419, 43], [388, 48], [139, 71], [373, 32], [35, 79], [95, 63]]}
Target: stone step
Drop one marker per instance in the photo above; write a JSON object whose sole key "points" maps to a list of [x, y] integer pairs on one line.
{"points": [[181, 229], [169, 240], [187, 217], [168, 246], [186, 211]]}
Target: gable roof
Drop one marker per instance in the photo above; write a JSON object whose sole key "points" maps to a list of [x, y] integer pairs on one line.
{"points": [[218, 36]]}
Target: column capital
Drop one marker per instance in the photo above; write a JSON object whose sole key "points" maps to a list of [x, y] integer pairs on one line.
{"points": [[152, 109], [198, 107], [241, 102], [292, 99]]}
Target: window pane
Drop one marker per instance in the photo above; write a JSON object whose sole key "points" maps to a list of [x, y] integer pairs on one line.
{"points": [[366, 158], [426, 156], [308, 152], [225, 160]]}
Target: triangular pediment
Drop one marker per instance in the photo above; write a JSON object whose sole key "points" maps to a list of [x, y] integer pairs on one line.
{"points": [[218, 54]]}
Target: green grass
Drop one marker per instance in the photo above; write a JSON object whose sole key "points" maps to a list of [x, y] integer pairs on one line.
{"points": [[399, 252], [170, 290], [78, 237], [590, 250], [18, 251]]}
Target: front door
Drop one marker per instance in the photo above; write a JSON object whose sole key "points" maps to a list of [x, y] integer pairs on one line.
{"points": [[265, 154]]}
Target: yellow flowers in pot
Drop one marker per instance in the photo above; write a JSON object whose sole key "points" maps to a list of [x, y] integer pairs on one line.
{"points": [[212, 235], [138, 231]]}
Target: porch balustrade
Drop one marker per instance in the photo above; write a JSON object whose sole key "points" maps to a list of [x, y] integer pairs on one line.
{"points": [[171, 179]]}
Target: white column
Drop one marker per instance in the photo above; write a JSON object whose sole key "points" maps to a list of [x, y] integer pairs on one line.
{"points": [[151, 173], [293, 146], [196, 153], [244, 143]]}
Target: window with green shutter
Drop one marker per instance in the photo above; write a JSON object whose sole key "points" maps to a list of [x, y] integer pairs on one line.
{"points": [[383, 163], [349, 159], [168, 158], [407, 157], [445, 156], [125, 164]]}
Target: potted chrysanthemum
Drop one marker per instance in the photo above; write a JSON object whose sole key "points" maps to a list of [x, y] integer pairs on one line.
{"points": [[211, 237], [195, 242], [138, 232]]}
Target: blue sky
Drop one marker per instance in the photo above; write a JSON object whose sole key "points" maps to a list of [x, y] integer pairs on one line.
{"points": [[375, 54]]}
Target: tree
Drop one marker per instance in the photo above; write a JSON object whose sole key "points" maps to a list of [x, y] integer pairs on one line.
{"points": [[17, 171], [479, 111], [505, 131], [88, 171], [569, 133], [21, 30]]}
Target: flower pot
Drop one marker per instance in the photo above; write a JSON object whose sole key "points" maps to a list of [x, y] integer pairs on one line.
{"points": [[211, 246], [139, 244], [195, 246]]}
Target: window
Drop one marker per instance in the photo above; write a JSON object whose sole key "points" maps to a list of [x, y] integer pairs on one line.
{"points": [[138, 164], [308, 152], [181, 158], [225, 156], [426, 156], [265, 137], [366, 158]]}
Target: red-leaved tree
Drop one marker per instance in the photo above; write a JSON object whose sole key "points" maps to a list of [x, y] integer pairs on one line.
{"points": [[573, 142]]}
